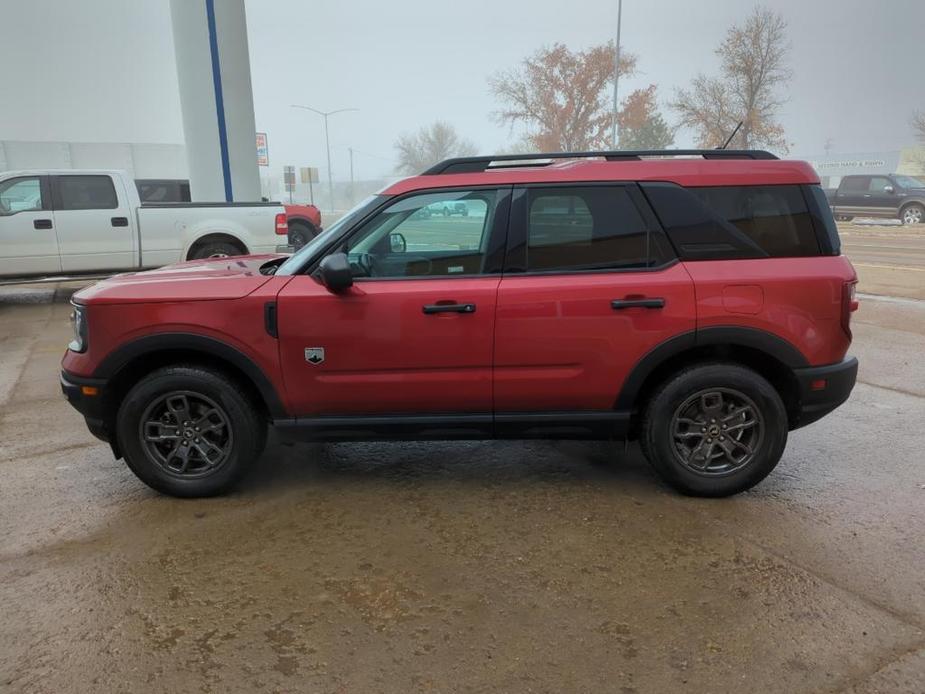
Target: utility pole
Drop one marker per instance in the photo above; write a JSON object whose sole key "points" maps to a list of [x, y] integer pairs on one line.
{"points": [[351, 176], [327, 142], [616, 76]]}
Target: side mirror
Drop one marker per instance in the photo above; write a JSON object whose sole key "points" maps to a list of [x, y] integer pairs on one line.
{"points": [[335, 272], [889, 189], [397, 243]]}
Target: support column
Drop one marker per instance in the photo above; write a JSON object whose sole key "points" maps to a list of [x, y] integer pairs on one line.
{"points": [[213, 70]]}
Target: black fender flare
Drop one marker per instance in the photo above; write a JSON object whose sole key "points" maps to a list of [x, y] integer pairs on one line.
{"points": [[119, 358], [738, 336]]}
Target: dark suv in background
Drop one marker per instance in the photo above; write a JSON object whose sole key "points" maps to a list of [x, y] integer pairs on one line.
{"points": [[894, 197]]}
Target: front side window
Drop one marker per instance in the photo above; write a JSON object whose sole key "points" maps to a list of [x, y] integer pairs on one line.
{"points": [[586, 228], [427, 235], [878, 184], [20, 195], [86, 193]]}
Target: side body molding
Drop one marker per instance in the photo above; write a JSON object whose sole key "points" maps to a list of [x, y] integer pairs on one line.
{"points": [[117, 360]]}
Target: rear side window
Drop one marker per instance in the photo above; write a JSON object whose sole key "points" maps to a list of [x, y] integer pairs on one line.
{"points": [[855, 184], [735, 221], [775, 218], [85, 193], [587, 228]]}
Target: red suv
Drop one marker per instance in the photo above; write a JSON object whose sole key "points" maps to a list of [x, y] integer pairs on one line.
{"points": [[694, 300]]}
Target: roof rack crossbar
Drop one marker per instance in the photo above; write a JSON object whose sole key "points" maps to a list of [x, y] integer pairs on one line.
{"points": [[483, 163]]}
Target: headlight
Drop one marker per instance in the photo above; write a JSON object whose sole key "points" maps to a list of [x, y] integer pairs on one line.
{"points": [[79, 321]]}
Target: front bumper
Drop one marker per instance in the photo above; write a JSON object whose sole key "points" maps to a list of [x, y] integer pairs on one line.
{"points": [[823, 388], [93, 407]]}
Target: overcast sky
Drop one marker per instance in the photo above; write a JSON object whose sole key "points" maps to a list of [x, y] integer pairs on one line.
{"points": [[103, 70]]}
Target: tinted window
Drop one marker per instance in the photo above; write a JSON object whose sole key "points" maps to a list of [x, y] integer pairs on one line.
{"points": [[428, 235], [774, 218], [20, 195], [86, 193], [734, 221], [855, 184], [586, 228]]}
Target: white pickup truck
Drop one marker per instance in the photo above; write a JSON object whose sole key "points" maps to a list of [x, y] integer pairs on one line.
{"points": [[73, 222]]}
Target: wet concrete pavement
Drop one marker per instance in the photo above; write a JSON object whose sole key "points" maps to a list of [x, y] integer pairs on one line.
{"points": [[515, 567]]}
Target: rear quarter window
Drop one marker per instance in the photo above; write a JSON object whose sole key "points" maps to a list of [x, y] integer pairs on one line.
{"points": [[735, 221]]}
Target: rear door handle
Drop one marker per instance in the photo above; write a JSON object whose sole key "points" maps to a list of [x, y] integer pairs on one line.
{"points": [[448, 308], [41, 223], [119, 221], [619, 304]]}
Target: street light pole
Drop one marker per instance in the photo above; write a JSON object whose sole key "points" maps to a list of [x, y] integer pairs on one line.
{"points": [[327, 143], [351, 175], [616, 76]]}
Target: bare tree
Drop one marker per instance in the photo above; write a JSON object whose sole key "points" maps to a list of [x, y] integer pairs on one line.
{"points": [[561, 96], [429, 145], [918, 125], [641, 125], [749, 89]]}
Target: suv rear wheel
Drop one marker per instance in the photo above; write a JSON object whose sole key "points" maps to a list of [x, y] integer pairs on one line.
{"points": [[189, 431], [714, 429]]}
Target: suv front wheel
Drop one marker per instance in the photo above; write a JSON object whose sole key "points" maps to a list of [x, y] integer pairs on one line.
{"points": [[189, 431], [714, 429]]}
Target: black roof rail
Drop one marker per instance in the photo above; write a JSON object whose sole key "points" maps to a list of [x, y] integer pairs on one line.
{"points": [[500, 161]]}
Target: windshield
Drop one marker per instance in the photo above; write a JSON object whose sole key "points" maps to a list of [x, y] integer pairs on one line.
{"points": [[298, 259], [909, 182]]}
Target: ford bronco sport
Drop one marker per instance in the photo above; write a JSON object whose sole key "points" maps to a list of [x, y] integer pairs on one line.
{"points": [[694, 300]]}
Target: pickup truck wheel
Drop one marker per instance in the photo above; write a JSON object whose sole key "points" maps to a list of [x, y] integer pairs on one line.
{"points": [[913, 214], [215, 249], [714, 430], [188, 431], [301, 233]]}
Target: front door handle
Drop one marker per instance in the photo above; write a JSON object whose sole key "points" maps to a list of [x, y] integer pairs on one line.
{"points": [[448, 308], [619, 304], [41, 223], [119, 221]]}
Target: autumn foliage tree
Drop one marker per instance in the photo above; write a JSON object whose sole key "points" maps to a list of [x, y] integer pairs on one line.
{"points": [[562, 97], [750, 87], [430, 144], [641, 125]]}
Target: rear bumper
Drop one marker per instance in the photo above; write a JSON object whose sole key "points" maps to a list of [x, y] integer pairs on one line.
{"points": [[824, 388], [92, 407]]}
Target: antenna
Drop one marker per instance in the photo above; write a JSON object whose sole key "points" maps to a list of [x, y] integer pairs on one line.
{"points": [[726, 143]]}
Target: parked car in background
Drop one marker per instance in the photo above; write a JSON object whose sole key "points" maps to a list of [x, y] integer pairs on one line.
{"points": [[894, 197], [76, 221], [304, 220], [701, 306]]}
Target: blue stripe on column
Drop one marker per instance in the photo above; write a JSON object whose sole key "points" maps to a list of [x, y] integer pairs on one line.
{"points": [[219, 100]]}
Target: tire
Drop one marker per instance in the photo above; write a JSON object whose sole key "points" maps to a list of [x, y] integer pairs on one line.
{"points": [[217, 456], [912, 214], [214, 249], [301, 233], [679, 402], [844, 218]]}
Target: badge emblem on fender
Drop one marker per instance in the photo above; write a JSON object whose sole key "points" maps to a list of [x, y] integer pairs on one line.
{"points": [[314, 355]]}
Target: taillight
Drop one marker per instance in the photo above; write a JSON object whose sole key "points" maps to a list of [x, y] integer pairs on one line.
{"points": [[282, 224], [849, 305]]}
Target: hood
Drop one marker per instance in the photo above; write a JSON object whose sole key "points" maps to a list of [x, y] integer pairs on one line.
{"points": [[196, 280]]}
